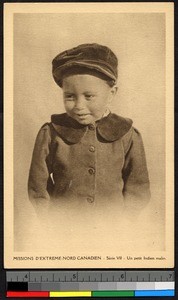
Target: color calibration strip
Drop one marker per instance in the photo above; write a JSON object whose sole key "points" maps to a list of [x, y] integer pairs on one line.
{"points": [[162, 293]]}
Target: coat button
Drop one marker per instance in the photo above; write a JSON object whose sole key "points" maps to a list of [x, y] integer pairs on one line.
{"points": [[92, 149], [90, 199], [91, 127], [91, 171]]}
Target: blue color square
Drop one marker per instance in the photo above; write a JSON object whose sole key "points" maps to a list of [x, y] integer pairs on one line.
{"points": [[155, 293]]}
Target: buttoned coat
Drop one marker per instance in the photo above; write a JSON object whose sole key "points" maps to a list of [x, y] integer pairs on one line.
{"points": [[96, 166]]}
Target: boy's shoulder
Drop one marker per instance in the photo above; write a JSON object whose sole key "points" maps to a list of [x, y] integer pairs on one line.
{"points": [[114, 127], [67, 128]]}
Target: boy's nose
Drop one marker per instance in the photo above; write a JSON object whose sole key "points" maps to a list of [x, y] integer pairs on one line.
{"points": [[79, 104]]}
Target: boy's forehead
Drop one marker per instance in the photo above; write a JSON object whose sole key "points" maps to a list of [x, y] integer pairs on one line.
{"points": [[83, 81]]}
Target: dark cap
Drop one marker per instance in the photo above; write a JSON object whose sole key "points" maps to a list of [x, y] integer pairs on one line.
{"points": [[89, 56]]}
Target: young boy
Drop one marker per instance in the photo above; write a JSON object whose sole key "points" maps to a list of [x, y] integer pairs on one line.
{"points": [[88, 158]]}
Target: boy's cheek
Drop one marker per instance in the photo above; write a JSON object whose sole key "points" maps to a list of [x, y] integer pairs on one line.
{"points": [[99, 110], [68, 106]]}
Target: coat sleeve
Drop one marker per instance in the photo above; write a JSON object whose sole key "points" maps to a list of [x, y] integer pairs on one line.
{"points": [[39, 181], [136, 189]]}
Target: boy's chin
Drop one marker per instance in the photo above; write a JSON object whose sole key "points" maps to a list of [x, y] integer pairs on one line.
{"points": [[84, 120]]}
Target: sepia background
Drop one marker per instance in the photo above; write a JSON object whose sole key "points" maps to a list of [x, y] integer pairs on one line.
{"points": [[138, 40]]}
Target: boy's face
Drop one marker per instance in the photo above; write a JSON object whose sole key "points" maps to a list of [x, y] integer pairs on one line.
{"points": [[86, 97]]}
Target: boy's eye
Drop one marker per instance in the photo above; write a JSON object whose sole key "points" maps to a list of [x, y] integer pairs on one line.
{"points": [[89, 97], [69, 97]]}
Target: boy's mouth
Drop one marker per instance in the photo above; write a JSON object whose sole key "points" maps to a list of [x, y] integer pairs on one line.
{"points": [[82, 115]]}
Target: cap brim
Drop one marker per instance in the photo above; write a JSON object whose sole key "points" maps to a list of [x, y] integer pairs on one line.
{"points": [[57, 73]]}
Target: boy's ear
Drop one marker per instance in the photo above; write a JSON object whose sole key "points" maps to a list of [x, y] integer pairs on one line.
{"points": [[114, 90]]}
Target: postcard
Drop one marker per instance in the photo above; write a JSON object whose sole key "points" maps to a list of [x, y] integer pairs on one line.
{"points": [[88, 135]]}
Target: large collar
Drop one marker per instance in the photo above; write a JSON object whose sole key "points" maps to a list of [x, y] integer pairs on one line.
{"points": [[110, 128]]}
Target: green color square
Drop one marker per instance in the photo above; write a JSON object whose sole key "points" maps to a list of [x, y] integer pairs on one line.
{"points": [[113, 294]]}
